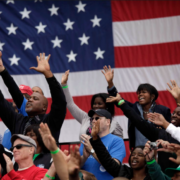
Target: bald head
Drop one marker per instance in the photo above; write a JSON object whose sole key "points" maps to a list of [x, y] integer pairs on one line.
{"points": [[37, 89], [37, 104]]}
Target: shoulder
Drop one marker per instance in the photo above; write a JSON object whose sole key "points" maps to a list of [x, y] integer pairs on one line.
{"points": [[39, 170], [161, 107], [113, 139]]}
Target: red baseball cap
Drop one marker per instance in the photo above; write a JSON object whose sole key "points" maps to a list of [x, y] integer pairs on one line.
{"points": [[25, 89]]}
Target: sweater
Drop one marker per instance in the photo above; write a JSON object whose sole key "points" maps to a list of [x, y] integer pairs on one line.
{"points": [[83, 118]]}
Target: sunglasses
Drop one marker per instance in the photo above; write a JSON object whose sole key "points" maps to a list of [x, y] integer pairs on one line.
{"points": [[19, 146]]}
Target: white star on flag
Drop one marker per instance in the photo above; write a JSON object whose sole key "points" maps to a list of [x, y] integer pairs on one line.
{"points": [[80, 7], [71, 56], [1, 46], [56, 42], [99, 54], [25, 13], [68, 24], [84, 39], [96, 21], [40, 28], [53, 10], [11, 29], [37, 0], [14, 60], [28, 44], [10, 1]]}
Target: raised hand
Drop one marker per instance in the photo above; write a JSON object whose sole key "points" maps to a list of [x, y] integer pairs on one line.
{"points": [[64, 78], [74, 161], [85, 140], [95, 130], [165, 146], [1, 63], [158, 119], [9, 163], [148, 152], [111, 99], [47, 138], [109, 75], [174, 90], [43, 65], [176, 149]]}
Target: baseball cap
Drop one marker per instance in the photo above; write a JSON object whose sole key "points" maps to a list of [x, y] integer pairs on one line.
{"points": [[25, 89], [171, 171], [24, 138], [100, 112]]}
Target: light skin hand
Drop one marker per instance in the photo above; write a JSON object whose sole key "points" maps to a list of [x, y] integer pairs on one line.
{"points": [[176, 149], [64, 78], [109, 75], [111, 99], [158, 119], [43, 65], [95, 130], [165, 146], [1, 63], [47, 138], [9, 163], [174, 90], [148, 152], [85, 140]]}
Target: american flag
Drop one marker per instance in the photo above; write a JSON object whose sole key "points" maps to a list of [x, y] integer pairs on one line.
{"points": [[139, 39]]}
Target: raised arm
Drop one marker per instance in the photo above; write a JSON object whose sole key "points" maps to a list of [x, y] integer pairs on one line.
{"points": [[11, 84], [147, 129], [76, 112]]}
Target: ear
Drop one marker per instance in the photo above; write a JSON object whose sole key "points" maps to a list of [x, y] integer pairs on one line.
{"points": [[44, 107], [152, 97], [31, 150], [109, 122]]}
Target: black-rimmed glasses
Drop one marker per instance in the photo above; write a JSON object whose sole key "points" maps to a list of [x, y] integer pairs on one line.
{"points": [[19, 146]]}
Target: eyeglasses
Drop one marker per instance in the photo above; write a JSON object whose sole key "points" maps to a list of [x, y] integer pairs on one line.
{"points": [[19, 146], [92, 118]]}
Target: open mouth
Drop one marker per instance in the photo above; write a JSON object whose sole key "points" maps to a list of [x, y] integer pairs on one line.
{"points": [[173, 121], [134, 162]]}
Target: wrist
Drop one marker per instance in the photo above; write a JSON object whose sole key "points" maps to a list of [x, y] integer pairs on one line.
{"points": [[2, 69], [48, 74], [120, 102], [50, 177], [165, 124], [110, 84], [54, 151], [95, 137]]}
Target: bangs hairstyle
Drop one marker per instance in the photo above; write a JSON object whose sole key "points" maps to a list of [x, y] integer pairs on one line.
{"points": [[149, 88], [104, 96], [35, 129]]}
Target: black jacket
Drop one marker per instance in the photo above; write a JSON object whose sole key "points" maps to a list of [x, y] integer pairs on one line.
{"points": [[152, 133], [17, 122], [111, 166], [131, 128]]}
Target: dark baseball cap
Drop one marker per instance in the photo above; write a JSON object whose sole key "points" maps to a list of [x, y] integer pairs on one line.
{"points": [[171, 171], [100, 112], [24, 138]]}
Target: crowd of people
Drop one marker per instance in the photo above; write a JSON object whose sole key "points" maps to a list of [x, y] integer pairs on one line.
{"points": [[29, 148]]}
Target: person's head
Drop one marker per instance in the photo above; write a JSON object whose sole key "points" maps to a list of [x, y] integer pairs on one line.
{"points": [[98, 101], [137, 159], [174, 173], [175, 117], [23, 148], [146, 94], [37, 89], [37, 104], [88, 175], [33, 132], [103, 116]]}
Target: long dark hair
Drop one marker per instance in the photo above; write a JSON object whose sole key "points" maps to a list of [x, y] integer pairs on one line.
{"points": [[35, 128], [104, 96]]}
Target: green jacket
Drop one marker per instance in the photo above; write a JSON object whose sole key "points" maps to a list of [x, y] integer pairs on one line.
{"points": [[155, 172]]}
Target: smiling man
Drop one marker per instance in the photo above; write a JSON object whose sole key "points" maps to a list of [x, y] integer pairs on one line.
{"points": [[23, 149]]}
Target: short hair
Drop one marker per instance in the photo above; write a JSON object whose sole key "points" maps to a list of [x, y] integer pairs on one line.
{"points": [[35, 128], [89, 176], [104, 96], [148, 87]]}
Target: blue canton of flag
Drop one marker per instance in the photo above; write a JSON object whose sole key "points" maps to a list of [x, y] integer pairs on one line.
{"points": [[77, 34]]}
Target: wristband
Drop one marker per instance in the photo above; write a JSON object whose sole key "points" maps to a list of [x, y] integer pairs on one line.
{"points": [[120, 102], [151, 162], [64, 87], [48, 176], [56, 151]]}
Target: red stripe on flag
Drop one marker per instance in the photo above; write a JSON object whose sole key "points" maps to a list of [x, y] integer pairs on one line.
{"points": [[137, 10], [147, 55]]}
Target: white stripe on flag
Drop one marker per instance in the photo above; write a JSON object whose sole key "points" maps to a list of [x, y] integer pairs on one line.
{"points": [[149, 31]]}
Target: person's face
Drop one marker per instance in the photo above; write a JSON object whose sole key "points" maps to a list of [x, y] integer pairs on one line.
{"points": [[24, 152], [137, 159], [98, 104], [37, 89], [36, 104], [32, 135], [104, 123], [176, 176], [144, 97], [175, 117]]}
